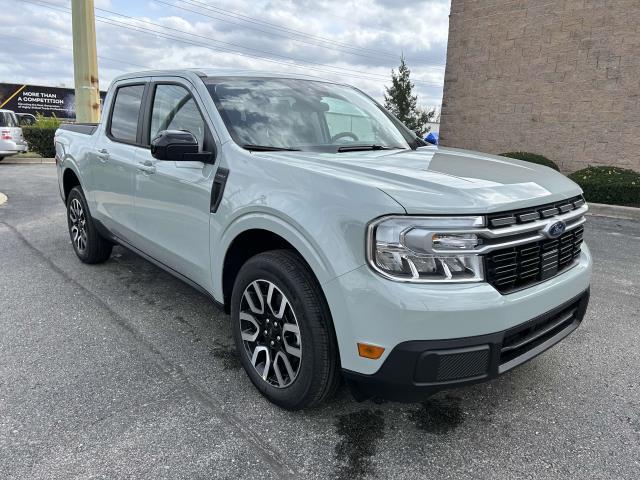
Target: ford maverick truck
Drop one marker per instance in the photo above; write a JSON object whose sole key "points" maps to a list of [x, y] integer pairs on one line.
{"points": [[343, 246]]}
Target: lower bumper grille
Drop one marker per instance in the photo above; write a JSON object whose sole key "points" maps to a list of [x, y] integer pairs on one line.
{"points": [[518, 267], [524, 338]]}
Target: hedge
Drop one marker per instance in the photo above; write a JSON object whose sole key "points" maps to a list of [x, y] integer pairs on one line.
{"points": [[40, 140], [533, 158], [612, 185]]}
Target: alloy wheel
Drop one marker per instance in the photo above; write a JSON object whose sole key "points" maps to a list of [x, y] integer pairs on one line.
{"points": [[78, 225], [270, 333]]}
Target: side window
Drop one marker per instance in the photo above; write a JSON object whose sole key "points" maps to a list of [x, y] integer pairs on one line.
{"points": [[126, 110], [175, 109]]}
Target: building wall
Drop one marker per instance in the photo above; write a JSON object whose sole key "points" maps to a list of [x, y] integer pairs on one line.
{"points": [[560, 78]]}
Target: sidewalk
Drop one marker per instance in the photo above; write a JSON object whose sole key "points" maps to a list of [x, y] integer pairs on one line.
{"points": [[614, 211], [26, 160]]}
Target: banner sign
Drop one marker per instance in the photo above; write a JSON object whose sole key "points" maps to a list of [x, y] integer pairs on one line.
{"points": [[35, 99]]}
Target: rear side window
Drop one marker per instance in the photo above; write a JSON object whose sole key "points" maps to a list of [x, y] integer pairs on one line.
{"points": [[126, 110], [8, 119]]}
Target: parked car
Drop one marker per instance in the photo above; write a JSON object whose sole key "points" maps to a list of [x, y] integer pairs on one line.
{"points": [[11, 139], [26, 119], [341, 244]]}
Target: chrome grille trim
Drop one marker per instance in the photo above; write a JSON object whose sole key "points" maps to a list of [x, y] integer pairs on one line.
{"points": [[499, 238]]}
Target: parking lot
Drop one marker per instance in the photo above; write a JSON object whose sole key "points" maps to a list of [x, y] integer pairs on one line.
{"points": [[121, 370]]}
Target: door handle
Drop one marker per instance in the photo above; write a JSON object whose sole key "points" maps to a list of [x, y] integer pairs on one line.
{"points": [[146, 167], [102, 154]]}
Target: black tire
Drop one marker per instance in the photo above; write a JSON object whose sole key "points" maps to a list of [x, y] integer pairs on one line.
{"points": [[1, 158], [318, 368], [96, 248]]}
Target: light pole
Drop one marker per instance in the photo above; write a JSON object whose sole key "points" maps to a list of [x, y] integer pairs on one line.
{"points": [[85, 62]]}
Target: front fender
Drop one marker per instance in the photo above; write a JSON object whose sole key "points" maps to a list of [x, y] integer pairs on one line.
{"points": [[293, 233]]}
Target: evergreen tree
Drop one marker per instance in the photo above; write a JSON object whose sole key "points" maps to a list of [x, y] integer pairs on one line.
{"points": [[400, 100]]}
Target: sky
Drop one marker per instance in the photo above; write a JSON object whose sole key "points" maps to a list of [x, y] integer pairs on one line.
{"points": [[352, 41]]}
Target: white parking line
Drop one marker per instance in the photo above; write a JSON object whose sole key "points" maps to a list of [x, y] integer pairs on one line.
{"points": [[3, 198]]}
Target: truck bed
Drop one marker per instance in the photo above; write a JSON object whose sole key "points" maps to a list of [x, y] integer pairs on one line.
{"points": [[84, 128]]}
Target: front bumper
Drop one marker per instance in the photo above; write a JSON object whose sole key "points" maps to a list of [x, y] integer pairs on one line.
{"points": [[422, 317], [416, 369]]}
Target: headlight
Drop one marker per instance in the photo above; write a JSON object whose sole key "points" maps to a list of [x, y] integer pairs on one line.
{"points": [[407, 248]]}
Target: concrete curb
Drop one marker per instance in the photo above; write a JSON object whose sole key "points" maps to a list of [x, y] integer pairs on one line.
{"points": [[614, 211], [27, 161]]}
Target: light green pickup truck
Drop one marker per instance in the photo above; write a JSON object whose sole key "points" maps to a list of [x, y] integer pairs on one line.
{"points": [[342, 245]]}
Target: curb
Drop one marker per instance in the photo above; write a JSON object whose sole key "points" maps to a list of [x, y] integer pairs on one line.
{"points": [[27, 161], [614, 211]]}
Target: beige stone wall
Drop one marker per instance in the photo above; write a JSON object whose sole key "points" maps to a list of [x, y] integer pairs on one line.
{"points": [[559, 78]]}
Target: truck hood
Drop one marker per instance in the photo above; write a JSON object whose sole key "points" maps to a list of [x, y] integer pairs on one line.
{"points": [[443, 180]]}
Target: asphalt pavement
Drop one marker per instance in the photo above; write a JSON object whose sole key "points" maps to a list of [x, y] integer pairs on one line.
{"points": [[122, 371]]}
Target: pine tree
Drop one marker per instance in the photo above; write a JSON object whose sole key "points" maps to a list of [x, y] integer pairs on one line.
{"points": [[400, 100]]}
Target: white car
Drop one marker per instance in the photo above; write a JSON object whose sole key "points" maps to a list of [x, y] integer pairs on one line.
{"points": [[11, 138]]}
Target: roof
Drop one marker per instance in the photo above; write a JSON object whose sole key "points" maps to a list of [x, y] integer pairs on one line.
{"points": [[216, 72]]}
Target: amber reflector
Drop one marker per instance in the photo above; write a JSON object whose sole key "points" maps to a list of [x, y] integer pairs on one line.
{"points": [[370, 351]]}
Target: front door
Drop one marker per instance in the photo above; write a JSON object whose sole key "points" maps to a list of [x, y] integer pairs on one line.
{"points": [[173, 198]]}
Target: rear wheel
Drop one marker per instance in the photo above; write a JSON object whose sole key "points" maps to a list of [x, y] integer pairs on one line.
{"points": [[283, 330], [89, 246]]}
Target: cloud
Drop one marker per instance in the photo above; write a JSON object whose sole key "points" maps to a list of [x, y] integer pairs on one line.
{"points": [[352, 41]]}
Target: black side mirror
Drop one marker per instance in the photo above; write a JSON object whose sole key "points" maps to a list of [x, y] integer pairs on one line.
{"points": [[177, 145]]}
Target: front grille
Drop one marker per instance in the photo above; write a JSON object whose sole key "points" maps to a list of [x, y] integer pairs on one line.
{"points": [[510, 269], [526, 215], [523, 338]]}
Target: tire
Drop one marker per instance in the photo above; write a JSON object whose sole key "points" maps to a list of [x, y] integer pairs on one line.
{"points": [[311, 352], [89, 245], [1, 158]]}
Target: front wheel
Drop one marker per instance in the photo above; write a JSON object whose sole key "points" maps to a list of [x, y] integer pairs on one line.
{"points": [[89, 246], [283, 330]]}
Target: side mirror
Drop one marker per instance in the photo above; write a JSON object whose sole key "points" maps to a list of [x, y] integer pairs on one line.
{"points": [[178, 146]]}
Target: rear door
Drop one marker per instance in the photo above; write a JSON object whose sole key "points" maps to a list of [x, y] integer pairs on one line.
{"points": [[114, 159], [173, 199]]}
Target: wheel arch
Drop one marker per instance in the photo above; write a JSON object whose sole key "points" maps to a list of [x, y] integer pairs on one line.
{"points": [[70, 179], [253, 234]]}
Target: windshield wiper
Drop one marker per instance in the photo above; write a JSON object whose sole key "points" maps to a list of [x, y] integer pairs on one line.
{"points": [[362, 148], [268, 148]]}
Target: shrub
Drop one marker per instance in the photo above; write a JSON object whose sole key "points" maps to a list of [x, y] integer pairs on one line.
{"points": [[533, 158], [40, 135], [40, 140], [613, 185]]}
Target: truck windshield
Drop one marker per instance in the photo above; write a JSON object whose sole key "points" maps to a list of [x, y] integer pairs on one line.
{"points": [[291, 114], [8, 119]]}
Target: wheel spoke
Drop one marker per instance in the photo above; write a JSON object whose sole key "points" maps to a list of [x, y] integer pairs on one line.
{"points": [[267, 361], [291, 349], [283, 303], [249, 299], [282, 358], [248, 336]]}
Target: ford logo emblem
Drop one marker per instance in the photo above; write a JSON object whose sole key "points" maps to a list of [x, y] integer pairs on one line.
{"points": [[555, 229]]}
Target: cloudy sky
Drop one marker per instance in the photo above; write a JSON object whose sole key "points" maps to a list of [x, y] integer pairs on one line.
{"points": [[354, 41]]}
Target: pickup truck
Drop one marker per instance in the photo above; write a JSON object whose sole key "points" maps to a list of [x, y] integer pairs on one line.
{"points": [[343, 246]]}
